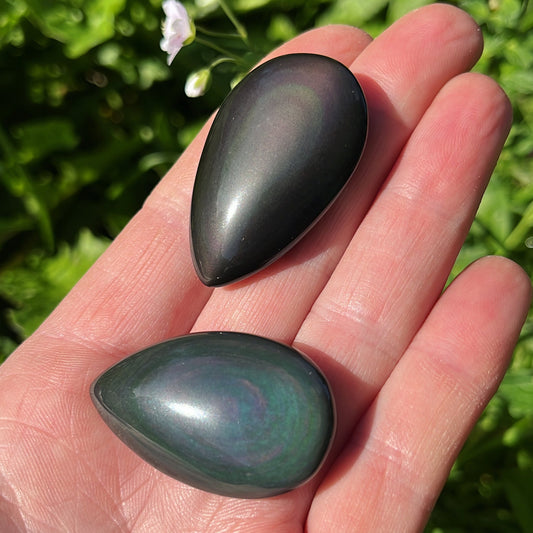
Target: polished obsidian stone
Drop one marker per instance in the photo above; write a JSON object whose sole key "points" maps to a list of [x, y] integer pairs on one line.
{"points": [[282, 146], [229, 413]]}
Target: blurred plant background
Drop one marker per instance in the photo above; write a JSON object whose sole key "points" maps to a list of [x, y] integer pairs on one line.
{"points": [[92, 117]]}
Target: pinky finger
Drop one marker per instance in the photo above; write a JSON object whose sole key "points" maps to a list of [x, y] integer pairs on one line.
{"points": [[390, 474]]}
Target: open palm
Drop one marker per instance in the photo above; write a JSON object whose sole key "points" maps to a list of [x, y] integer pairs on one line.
{"points": [[411, 367]]}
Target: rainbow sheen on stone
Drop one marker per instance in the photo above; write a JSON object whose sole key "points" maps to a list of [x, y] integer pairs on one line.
{"points": [[229, 413], [281, 148]]}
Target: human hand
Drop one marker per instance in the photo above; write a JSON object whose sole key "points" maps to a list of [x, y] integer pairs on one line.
{"points": [[411, 369]]}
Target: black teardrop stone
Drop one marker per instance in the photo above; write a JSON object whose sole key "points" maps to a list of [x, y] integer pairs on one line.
{"points": [[229, 413], [281, 148]]}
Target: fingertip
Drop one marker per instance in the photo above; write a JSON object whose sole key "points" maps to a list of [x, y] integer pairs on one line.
{"points": [[451, 16], [504, 276], [435, 29], [491, 298], [485, 92]]}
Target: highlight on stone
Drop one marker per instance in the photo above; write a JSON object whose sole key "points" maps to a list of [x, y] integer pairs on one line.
{"points": [[229, 413], [281, 148]]}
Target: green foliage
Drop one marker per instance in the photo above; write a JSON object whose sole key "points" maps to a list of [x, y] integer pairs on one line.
{"points": [[373, 16], [41, 280], [79, 25], [93, 117], [490, 484]]}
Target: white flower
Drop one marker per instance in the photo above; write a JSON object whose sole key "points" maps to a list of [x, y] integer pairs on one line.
{"points": [[198, 82], [178, 29]]}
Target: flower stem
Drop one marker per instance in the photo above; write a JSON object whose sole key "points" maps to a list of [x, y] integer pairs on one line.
{"points": [[219, 49], [221, 60], [210, 33], [241, 30]]}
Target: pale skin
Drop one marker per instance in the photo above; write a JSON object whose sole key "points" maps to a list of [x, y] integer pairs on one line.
{"points": [[411, 367]]}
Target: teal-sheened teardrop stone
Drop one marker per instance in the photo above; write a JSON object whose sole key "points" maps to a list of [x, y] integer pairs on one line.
{"points": [[229, 413], [281, 148]]}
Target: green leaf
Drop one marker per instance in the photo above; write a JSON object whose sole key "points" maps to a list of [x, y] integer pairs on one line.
{"points": [[38, 285], [517, 389], [506, 12], [519, 434], [150, 71], [11, 14], [38, 138], [519, 51], [20, 184], [495, 211], [281, 28], [517, 81], [398, 8], [248, 5], [81, 27], [526, 20], [517, 484], [352, 12]]}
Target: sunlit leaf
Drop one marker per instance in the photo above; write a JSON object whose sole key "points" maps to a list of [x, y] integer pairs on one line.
{"points": [[38, 138], [350, 12], [398, 8], [80, 26], [11, 13], [39, 284], [517, 389]]}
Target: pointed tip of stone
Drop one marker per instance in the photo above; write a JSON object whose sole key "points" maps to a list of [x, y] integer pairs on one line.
{"points": [[212, 282], [214, 277], [217, 281], [213, 270], [217, 270]]}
